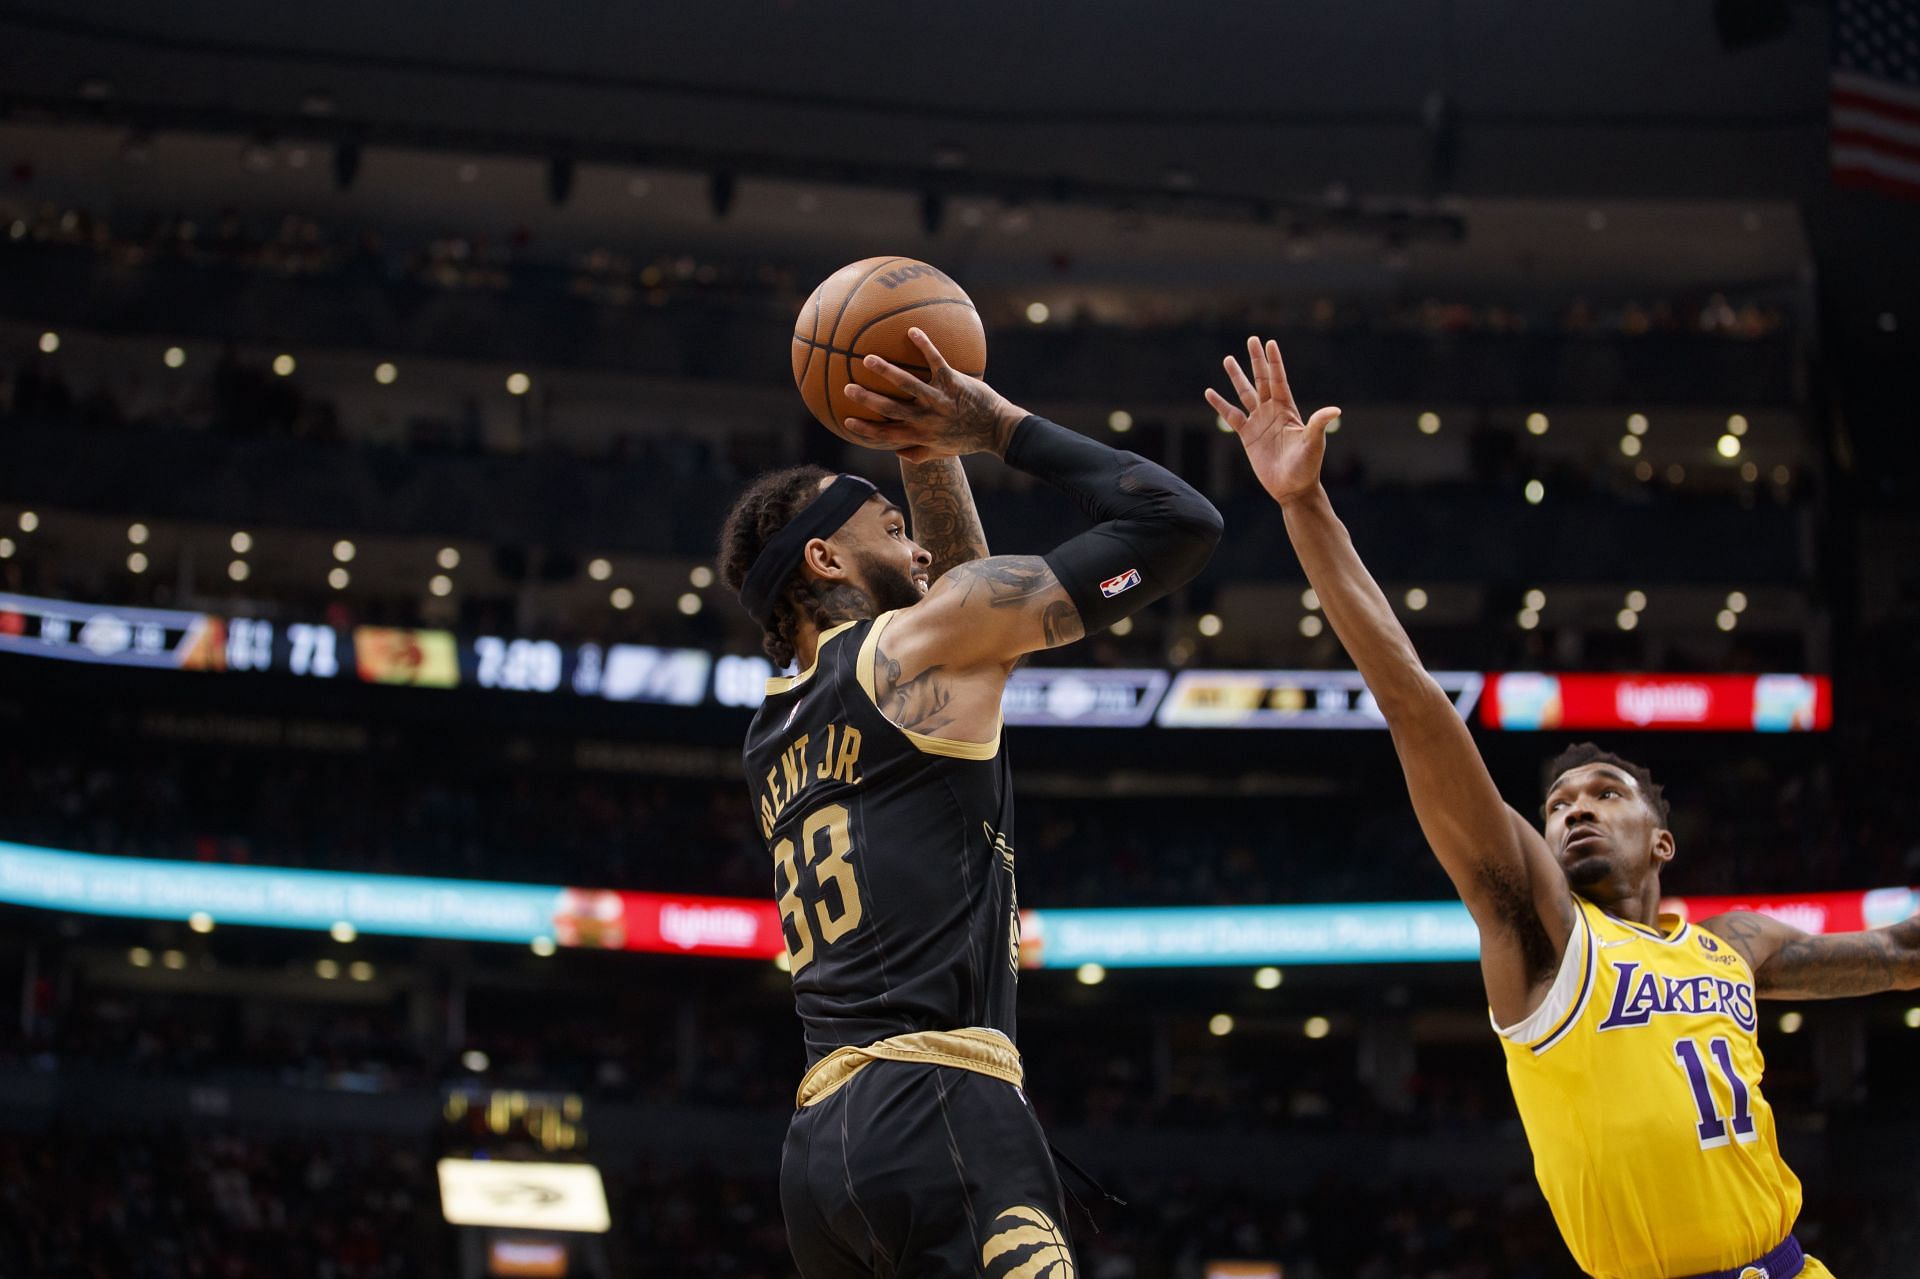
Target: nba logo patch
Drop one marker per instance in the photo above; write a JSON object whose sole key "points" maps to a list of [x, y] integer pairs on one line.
{"points": [[1125, 582]]}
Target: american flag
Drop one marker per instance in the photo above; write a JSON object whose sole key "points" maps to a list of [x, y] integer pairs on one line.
{"points": [[1876, 95]]}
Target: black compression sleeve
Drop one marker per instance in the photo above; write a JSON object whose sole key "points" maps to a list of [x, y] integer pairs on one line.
{"points": [[1154, 534]]}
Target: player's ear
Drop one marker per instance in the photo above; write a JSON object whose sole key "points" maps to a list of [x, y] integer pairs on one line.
{"points": [[1663, 848], [822, 560]]}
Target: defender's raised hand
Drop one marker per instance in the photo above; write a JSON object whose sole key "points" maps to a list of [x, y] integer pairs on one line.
{"points": [[949, 415], [1285, 451]]}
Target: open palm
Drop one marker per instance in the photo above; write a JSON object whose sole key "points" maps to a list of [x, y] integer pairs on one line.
{"points": [[1285, 451]]}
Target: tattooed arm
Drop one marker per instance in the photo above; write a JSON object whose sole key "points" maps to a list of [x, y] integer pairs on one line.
{"points": [[1790, 964], [944, 519]]}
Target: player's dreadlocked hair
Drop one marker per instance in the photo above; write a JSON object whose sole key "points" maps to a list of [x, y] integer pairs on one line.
{"points": [[1583, 753], [767, 506]]}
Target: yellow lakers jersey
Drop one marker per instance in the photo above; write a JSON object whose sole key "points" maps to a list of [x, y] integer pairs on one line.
{"points": [[1638, 1081]]}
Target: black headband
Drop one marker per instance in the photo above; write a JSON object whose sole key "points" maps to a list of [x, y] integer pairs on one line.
{"points": [[821, 517]]}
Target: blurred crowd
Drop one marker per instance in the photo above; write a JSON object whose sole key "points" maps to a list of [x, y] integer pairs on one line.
{"points": [[1741, 825], [223, 1204]]}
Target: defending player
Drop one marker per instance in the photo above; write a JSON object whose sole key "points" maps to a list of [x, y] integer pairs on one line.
{"points": [[883, 791], [1630, 1040]]}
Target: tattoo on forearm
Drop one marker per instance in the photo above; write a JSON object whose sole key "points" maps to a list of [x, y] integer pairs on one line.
{"points": [[944, 518], [1060, 624], [1830, 967]]}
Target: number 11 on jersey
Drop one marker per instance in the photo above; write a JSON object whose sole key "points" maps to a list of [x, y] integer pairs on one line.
{"points": [[1712, 1128]]}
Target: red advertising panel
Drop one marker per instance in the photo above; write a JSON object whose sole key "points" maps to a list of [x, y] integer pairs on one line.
{"points": [[1809, 912], [668, 924], [1527, 701]]}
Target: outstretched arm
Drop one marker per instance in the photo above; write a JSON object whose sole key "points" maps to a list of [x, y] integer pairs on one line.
{"points": [[1790, 964], [1153, 531], [944, 519], [1501, 866]]}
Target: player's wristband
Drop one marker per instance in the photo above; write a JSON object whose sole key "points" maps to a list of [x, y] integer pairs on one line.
{"points": [[1154, 534]]}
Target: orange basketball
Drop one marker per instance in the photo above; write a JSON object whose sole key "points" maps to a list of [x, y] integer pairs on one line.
{"points": [[866, 308]]}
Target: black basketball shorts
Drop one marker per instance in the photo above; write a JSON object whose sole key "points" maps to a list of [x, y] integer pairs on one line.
{"points": [[922, 1172]]}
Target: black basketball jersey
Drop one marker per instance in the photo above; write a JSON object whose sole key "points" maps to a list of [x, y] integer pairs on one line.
{"points": [[892, 857]]}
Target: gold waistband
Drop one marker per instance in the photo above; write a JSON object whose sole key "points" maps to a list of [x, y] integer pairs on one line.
{"points": [[985, 1052]]}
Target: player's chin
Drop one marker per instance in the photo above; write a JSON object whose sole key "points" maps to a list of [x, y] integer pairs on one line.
{"points": [[1586, 869]]}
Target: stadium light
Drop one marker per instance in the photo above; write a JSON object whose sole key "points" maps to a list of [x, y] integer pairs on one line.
{"points": [[1529, 618], [441, 585], [1737, 424], [1220, 1024], [1536, 424], [1637, 601], [1122, 628], [137, 562], [1749, 472], [1038, 313], [200, 922], [475, 1060], [689, 604], [1536, 492], [326, 969], [338, 578], [1626, 619], [622, 598], [386, 373], [140, 957], [1090, 974], [241, 542], [448, 558], [1630, 445], [1119, 421], [1727, 620], [1636, 424], [1267, 978], [239, 571], [1311, 625], [29, 521], [1782, 475], [1728, 446], [138, 534], [344, 551], [360, 970], [343, 931], [543, 947], [1676, 474], [701, 577], [1913, 1019], [1210, 624], [174, 358], [7, 548], [1791, 1022], [49, 343], [599, 570], [1310, 600], [173, 959], [1429, 423], [1317, 1028], [1416, 599], [1737, 601], [284, 365], [1536, 599], [518, 383]]}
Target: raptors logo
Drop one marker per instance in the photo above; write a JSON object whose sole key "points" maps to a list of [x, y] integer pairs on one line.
{"points": [[1025, 1242]]}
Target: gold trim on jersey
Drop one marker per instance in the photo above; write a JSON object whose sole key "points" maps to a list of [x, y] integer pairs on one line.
{"points": [[787, 683], [951, 747], [1657, 934], [984, 1052]]}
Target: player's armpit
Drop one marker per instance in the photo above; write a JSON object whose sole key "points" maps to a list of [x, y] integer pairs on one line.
{"points": [[1790, 964]]}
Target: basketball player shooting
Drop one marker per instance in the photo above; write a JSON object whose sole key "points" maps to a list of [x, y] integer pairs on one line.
{"points": [[1630, 1038], [883, 790]]}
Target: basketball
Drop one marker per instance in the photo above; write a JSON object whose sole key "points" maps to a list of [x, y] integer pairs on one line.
{"points": [[866, 308]]}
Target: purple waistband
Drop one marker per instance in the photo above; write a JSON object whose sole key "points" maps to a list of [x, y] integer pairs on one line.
{"points": [[1783, 1262]]}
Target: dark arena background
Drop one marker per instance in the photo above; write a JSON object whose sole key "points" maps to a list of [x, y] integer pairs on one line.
{"points": [[381, 892]]}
